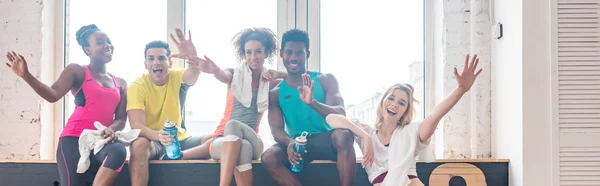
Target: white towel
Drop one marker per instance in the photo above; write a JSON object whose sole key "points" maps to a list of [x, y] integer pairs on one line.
{"points": [[401, 157], [92, 140], [241, 88]]}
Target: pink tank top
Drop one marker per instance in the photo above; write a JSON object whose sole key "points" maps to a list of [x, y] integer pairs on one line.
{"points": [[100, 105]]}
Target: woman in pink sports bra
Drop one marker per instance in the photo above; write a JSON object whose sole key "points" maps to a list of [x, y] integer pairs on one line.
{"points": [[394, 114], [99, 96]]}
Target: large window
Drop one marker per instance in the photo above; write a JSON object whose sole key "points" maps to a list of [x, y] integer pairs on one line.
{"points": [[366, 51], [129, 33], [369, 46], [213, 25], [372, 50]]}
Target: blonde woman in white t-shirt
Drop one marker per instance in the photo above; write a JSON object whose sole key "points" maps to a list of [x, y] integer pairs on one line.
{"points": [[394, 117]]}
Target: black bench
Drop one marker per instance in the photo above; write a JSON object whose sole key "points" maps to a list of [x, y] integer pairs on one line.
{"points": [[206, 172]]}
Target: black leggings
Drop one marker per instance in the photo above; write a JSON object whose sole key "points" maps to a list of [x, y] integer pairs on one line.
{"points": [[111, 156]]}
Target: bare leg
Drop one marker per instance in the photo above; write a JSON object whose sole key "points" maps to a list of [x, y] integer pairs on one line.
{"points": [[272, 159], [199, 152], [230, 152], [415, 182], [138, 164], [105, 177], [343, 141], [243, 178]]}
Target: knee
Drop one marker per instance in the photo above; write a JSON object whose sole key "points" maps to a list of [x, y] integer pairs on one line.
{"points": [[117, 152], [343, 139], [115, 156], [232, 125], [140, 146], [270, 159]]}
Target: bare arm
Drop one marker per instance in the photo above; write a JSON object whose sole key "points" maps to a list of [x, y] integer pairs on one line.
{"points": [[121, 112], [137, 118], [339, 121], [334, 103], [430, 123], [190, 75], [224, 76], [61, 87], [365, 141], [465, 81], [276, 119]]}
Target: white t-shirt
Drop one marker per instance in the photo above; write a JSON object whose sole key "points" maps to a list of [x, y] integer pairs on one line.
{"points": [[380, 151]]}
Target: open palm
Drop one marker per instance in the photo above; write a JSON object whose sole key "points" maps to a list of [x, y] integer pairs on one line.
{"points": [[17, 63], [468, 76], [306, 90], [205, 65], [185, 46]]}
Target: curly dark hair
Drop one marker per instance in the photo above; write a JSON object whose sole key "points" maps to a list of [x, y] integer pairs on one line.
{"points": [[263, 35], [83, 35]]}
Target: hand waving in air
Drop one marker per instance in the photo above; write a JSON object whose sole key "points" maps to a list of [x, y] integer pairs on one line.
{"points": [[16, 62], [467, 77], [306, 94], [205, 65], [185, 46]]}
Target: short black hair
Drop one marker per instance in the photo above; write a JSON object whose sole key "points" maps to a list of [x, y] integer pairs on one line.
{"points": [[295, 35], [83, 35], [157, 44], [263, 35]]}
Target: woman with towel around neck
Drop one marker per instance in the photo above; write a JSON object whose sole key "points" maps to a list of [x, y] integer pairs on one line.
{"points": [[99, 96], [394, 133], [236, 141]]}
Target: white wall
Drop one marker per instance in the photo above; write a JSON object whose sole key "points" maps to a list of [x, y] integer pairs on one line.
{"points": [[521, 78], [507, 75], [537, 97], [20, 107]]}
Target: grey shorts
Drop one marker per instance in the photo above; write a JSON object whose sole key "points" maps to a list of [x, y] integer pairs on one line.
{"points": [[158, 150]]}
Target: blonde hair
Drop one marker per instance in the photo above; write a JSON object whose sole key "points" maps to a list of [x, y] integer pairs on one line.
{"points": [[407, 116]]}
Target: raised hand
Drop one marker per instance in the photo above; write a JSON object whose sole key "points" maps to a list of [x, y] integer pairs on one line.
{"points": [[185, 47], [306, 89], [205, 65], [16, 62], [468, 76]]}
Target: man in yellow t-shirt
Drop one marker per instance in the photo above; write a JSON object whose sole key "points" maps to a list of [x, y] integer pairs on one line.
{"points": [[155, 97]]}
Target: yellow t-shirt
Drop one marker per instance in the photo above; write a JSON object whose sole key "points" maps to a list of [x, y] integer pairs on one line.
{"points": [[158, 102]]}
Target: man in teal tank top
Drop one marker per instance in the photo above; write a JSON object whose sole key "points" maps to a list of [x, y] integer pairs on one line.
{"points": [[300, 104]]}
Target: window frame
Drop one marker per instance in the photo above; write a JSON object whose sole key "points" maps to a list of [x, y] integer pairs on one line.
{"points": [[291, 14]]}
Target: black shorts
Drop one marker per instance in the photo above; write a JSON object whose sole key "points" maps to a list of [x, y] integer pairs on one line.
{"points": [[318, 147]]}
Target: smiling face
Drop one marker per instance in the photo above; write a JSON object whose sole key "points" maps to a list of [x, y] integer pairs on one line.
{"points": [[255, 55], [396, 106], [100, 47], [158, 64], [294, 55]]}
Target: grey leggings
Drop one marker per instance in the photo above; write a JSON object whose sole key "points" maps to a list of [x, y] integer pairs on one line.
{"points": [[252, 146]]}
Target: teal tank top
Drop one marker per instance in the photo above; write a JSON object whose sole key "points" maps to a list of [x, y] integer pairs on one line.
{"points": [[298, 116]]}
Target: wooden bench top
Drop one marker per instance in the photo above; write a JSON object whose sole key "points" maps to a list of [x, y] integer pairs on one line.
{"points": [[258, 161]]}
